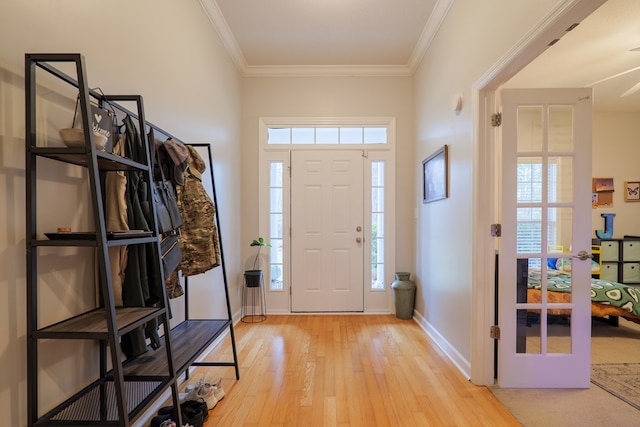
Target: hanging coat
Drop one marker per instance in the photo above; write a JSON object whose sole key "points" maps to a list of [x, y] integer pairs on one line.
{"points": [[139, 288], [199, 240], [116, 220]]}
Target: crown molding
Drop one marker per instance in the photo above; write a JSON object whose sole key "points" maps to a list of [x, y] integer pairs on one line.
{"points": [[327, 70], [439, 13], [219, 23]]}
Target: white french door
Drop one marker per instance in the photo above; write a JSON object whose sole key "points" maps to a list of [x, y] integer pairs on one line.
{"points": [[327, 231], [546, 214]]}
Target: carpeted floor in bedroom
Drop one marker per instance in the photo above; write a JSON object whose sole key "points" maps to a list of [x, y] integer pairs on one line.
{"points": [[588, 407]]}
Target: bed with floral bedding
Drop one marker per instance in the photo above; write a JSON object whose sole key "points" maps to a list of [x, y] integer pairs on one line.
{"points": [[607, 298]]}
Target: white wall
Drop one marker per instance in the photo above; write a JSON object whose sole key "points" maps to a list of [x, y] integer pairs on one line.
{"points": [[474, 37], [164, 50], [330, 97], [616, 152]]}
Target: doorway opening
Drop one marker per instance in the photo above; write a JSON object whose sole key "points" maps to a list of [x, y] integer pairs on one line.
{"points": [[487, 180]]}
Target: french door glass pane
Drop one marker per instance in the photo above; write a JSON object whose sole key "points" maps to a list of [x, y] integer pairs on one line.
{"points": [[559, 331], [560, 179], [560, 128], [528, 332], [529, 230], [529, 176], [530, 131]]}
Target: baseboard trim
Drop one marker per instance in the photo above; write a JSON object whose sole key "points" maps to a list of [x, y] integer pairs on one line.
{"points": [[463, 365]]}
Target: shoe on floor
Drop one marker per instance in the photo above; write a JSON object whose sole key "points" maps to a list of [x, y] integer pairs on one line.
{"points": [[193, 411], [162, 421], [202, 391], [218, 392], [195, 407], [204, 380]]}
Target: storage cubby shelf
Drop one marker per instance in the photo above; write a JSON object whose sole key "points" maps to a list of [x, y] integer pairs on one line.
{"points": [[93, 241], [96, 405], [78, 157], [189, 340], [93, 324]]}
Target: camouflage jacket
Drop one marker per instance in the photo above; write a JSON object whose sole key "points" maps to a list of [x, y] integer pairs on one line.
{"points": [[199, 239]]}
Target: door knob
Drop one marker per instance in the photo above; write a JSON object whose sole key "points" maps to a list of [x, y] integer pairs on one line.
{"points": [[358, 228], [358, 240]]}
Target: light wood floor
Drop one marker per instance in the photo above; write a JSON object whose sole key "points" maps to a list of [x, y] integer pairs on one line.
{"points": [[345, 370]]}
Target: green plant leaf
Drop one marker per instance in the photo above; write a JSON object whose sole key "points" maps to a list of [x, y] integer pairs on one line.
{"points": [[259, 242]]}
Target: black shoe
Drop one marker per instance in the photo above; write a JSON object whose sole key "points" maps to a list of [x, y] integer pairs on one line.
{"points": [[160, 420], [195, 406], [193, 418], [194, 412], [168, 410]]}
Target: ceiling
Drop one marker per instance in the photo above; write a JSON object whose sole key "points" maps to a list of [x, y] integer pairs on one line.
{"points": [[382, 37], [326, 32], [597, 54], [346, 37]]}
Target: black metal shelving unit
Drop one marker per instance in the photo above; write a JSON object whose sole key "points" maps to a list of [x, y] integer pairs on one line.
{"points": [[121, 389]]}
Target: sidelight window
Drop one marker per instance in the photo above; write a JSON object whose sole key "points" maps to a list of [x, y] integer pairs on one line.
{"points": [[377, 225], [276, 224]]}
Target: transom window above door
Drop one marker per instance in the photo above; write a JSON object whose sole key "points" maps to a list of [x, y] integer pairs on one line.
{"points": [[308, 135]]}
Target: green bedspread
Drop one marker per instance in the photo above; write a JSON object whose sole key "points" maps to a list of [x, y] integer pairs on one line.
{"points": [[603, 291]]}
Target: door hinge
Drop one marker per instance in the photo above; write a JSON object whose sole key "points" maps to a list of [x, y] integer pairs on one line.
{"points": [[496, 119], [494, 332], [496, 230]]}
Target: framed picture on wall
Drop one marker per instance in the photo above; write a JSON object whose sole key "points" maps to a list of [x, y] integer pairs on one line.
{"points": [[435, 176], [602, 190], [632, 191]]}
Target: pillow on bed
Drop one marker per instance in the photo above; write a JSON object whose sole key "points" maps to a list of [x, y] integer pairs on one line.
{"points": [[566, 265], [551, 263]]}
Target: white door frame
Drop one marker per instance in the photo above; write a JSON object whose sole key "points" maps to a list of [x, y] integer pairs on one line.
{"points": [[486, 197], [375, 300]]}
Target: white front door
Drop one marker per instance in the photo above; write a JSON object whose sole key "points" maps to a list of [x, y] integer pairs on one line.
{"points": [[546, 215], [327, 216]]}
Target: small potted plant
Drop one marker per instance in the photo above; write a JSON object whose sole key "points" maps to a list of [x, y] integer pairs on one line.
{"points": [[253, 278]]}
